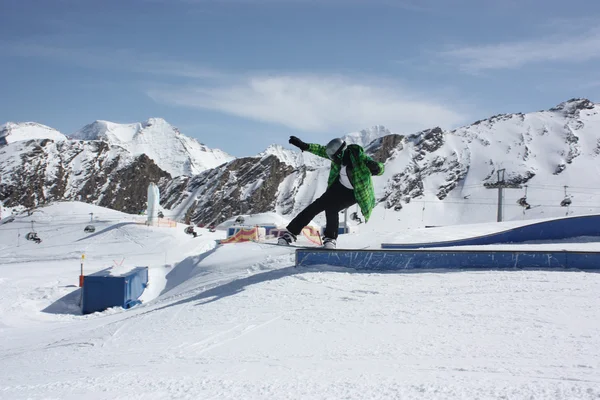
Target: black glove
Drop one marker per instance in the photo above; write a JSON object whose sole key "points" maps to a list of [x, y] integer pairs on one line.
{"points": [[298, 143]]}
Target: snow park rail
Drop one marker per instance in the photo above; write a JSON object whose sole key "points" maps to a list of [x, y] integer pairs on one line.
{"points": [[402, 260], [556, 229], [416, 256]]}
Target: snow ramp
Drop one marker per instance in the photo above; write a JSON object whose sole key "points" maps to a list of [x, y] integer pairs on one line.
{"points": [[548, 230]]}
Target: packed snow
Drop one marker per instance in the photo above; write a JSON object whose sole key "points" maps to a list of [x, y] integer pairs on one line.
{"points": [[239, 321]]}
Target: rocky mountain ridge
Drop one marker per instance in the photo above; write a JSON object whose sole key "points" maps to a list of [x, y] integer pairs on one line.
{"points": [[436, 166]]}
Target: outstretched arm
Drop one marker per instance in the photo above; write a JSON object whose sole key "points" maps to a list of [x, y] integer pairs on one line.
{"points": [[316, 149], [375, 167]]}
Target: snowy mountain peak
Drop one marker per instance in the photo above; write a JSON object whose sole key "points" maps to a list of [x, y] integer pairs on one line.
{"points": [[93, 131], [159, 124], [14, 132], [155, 121], [124, 133], [287, 156], [573, 106], [366, 136], [110, 131], [159, 140]]}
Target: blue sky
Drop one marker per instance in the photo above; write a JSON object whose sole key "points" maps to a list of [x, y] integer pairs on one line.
{"points": [[242, 74]]}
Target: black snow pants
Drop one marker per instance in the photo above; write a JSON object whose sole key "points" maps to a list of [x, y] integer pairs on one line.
{"points": [[336, 198]]}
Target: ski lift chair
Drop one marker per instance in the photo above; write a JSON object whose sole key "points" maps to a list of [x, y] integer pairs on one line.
{"points": [[523, 203], [567, 200], [355, 217], [523, 200], [33, 237]]}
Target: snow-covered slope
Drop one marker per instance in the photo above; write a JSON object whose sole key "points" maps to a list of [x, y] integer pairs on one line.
{"points": [[163, 143], [433, 177], [36, 172], [438, 177], [239, 321], [14, 132]]}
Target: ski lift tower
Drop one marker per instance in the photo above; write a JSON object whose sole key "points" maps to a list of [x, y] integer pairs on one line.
{"points": [[501, 185]]}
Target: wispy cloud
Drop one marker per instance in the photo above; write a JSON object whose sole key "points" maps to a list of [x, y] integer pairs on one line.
{"points": [[315, 103], [115, 59], [556, 48], [312, 103]]}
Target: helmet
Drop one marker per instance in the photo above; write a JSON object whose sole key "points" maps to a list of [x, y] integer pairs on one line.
{"points": [[335, 147]]}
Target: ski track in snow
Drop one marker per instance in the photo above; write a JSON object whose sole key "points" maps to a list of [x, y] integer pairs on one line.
{"points": [[241, 322]]}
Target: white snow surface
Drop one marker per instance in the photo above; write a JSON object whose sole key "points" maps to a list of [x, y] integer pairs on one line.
{"points": [[172, 151], [15, 132], [239, 321]]}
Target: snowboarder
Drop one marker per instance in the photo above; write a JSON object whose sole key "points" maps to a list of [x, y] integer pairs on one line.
{"points": [[349, 183]]}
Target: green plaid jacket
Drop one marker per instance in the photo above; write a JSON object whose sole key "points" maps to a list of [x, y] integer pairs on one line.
{"points": [[359, 174]]}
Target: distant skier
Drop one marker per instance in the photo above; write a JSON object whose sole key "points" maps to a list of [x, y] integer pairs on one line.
{"points": [[349, 182]]}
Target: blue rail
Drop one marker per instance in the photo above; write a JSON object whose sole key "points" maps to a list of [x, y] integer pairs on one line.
{"points": [[393, 260]]}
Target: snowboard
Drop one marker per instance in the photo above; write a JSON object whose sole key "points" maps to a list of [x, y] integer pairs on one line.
{"points": [[295, 246]]}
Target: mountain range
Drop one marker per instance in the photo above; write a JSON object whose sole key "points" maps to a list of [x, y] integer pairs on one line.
{"points": [[434, 176]]}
